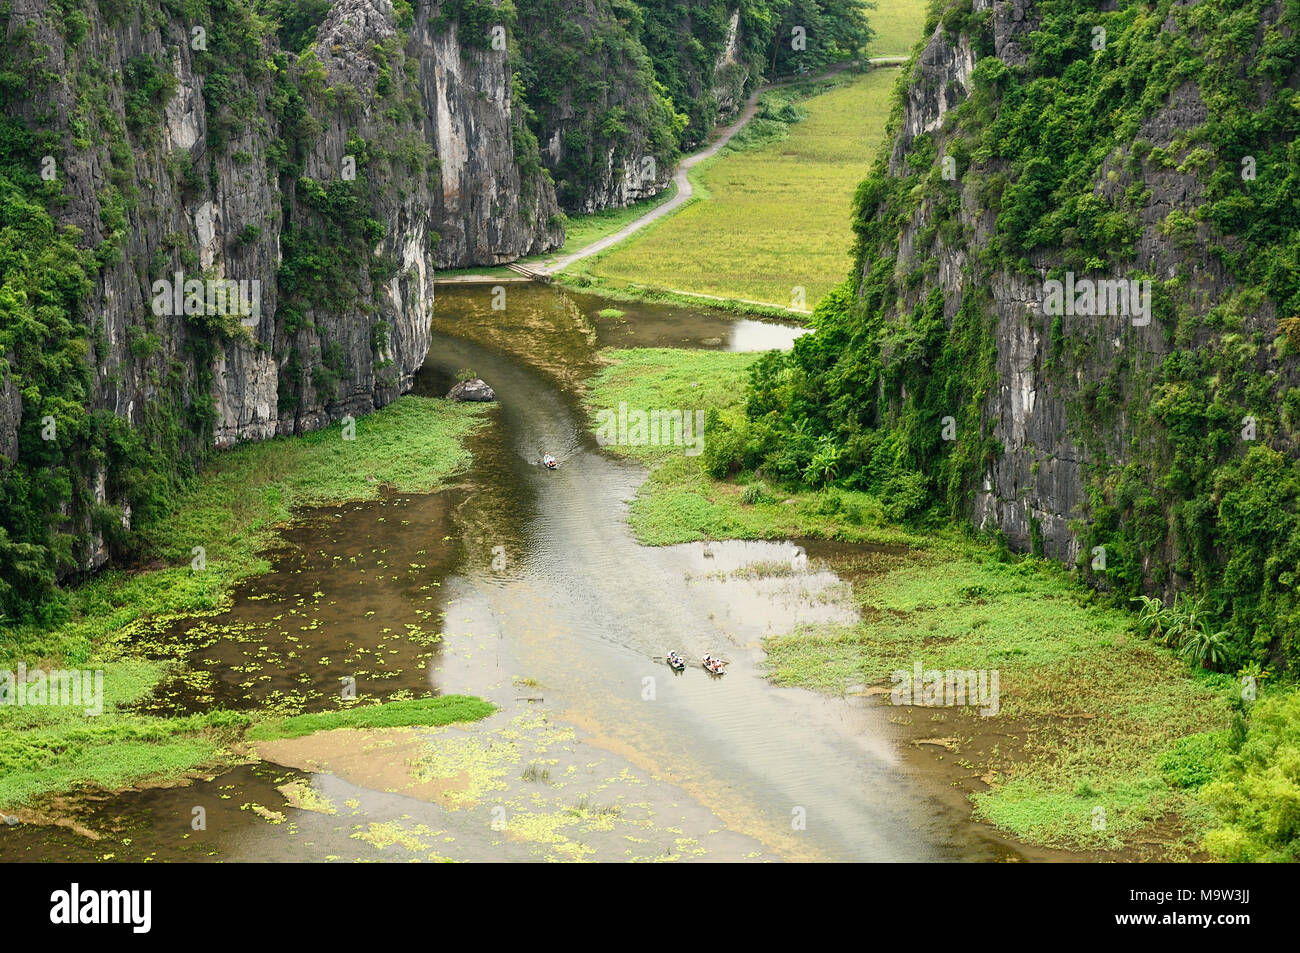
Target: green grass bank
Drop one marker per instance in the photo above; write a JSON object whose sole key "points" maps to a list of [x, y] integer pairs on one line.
{"points": [[231, 511], [1105, 741]]}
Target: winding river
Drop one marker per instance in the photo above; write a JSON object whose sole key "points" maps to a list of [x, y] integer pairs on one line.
{"points": [[550, 609]]}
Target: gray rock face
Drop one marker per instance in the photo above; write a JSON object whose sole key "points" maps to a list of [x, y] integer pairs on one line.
{"points": [[429, 124], [11, 414], [594, 123], [1036, 487], [730, 75], [486, 210], [602, 124], [474, 389]]}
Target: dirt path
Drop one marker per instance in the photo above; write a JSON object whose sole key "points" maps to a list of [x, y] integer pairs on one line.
{"points": [[681, 176], [684, 193]]}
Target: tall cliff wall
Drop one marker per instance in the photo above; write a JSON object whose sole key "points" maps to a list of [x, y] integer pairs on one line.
{"points": [[610, 117], [1073, 318], [1070, 393], [607, 131], [185, 141]]}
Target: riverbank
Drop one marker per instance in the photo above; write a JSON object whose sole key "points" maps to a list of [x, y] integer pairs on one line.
{"points": [[215, 538], [519, 570], [1089, 716], [1103, 743]]}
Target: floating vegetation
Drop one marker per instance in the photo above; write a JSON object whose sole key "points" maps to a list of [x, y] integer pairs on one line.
{"points": [[536, 772]]}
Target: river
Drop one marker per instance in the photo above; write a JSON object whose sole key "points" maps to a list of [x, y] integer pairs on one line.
{"points": [[550, 609]]}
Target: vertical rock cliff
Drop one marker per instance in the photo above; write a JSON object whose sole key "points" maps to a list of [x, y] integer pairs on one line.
{"points": [[611, 117], [1073, 321], [190, 151], [1063, 405]]}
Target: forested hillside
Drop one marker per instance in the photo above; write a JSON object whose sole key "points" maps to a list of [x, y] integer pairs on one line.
{"points": [[1141, 150], [612, 83]]}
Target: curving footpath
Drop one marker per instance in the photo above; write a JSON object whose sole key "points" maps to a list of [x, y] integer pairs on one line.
{"points": [[684, 188], [684, 193]]}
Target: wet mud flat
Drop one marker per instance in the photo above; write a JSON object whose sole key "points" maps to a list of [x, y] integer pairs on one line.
{"points": [[352, 603]]}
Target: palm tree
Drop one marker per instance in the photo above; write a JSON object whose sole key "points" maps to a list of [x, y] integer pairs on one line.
{"points": [[824, 466], [1185, 619], [1151, 617], [1209, 650]]}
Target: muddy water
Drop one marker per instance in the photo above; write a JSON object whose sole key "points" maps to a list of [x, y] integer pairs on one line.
{"points": [[550, 609]]}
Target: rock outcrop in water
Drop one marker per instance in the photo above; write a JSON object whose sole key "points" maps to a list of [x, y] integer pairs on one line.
{"points": [[474, 389]]}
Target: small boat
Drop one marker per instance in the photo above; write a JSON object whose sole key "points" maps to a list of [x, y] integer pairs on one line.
{"points": [[676, 662], [550, 462], [714, 666]]}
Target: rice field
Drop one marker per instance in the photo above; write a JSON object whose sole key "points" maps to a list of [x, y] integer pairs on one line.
{"points": [[898, 26], [775, 218]]}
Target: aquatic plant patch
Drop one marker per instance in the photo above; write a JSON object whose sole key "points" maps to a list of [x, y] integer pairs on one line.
{"points": [[651, 428], [443, 710], [946, 688], [210, 541]]}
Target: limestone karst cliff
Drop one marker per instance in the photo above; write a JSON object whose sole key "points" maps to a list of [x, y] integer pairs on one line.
{"points": [[610, 129], [1072, 322], [327, 173]]}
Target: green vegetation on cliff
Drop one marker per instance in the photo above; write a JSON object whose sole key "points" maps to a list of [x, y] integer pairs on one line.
{"points": [[1185, 502], [686, 41], [49, 343], [78, 468], [614, 82], [593, 87]]}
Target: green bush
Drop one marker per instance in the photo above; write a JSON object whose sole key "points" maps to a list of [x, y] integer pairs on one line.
{"points": [[1258, 802], [1194, 760]]}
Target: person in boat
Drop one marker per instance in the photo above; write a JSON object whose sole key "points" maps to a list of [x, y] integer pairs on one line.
{"points": [[549, 461]]}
